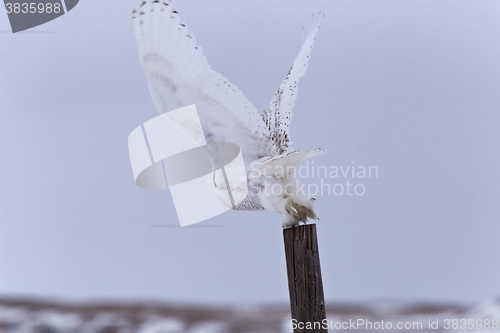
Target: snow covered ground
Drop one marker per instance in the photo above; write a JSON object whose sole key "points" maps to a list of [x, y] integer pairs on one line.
{"points": [[38, 316]]}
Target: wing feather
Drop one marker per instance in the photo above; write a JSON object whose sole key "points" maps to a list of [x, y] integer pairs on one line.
{"points": [[278, 114], [178, 75]]}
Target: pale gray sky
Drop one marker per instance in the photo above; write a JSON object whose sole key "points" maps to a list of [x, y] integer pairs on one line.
{"points": [[411, 87]]}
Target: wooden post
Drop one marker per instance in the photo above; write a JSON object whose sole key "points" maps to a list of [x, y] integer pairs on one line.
{"points": [[307, 301]]}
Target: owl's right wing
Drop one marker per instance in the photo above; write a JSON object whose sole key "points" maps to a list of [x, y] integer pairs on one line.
{"points": [[278, 114]]}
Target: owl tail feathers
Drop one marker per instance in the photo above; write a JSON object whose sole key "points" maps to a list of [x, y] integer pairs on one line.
{"points": [[296, 210], [292, 159], [315, 152]]}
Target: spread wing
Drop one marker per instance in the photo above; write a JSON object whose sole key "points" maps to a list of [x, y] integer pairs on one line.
{"points": [[278, 114], [178, 75]]}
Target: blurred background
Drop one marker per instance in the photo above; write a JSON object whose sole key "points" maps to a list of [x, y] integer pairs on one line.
{"points": [[410, 87]]}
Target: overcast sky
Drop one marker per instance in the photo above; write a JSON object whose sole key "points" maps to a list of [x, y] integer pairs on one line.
{"points": [[411, 87]]}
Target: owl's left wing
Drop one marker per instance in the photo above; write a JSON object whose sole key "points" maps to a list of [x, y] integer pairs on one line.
{"points": [[178, 75]]}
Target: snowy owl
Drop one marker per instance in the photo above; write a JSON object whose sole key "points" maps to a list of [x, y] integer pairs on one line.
{"points": [[178, 75]]}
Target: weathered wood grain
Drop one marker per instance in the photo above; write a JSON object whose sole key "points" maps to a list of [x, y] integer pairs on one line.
{"points": [[305, 285]]}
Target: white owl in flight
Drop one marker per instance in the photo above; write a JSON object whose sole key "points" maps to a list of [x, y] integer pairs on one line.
{"points": [[178, 75]]}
